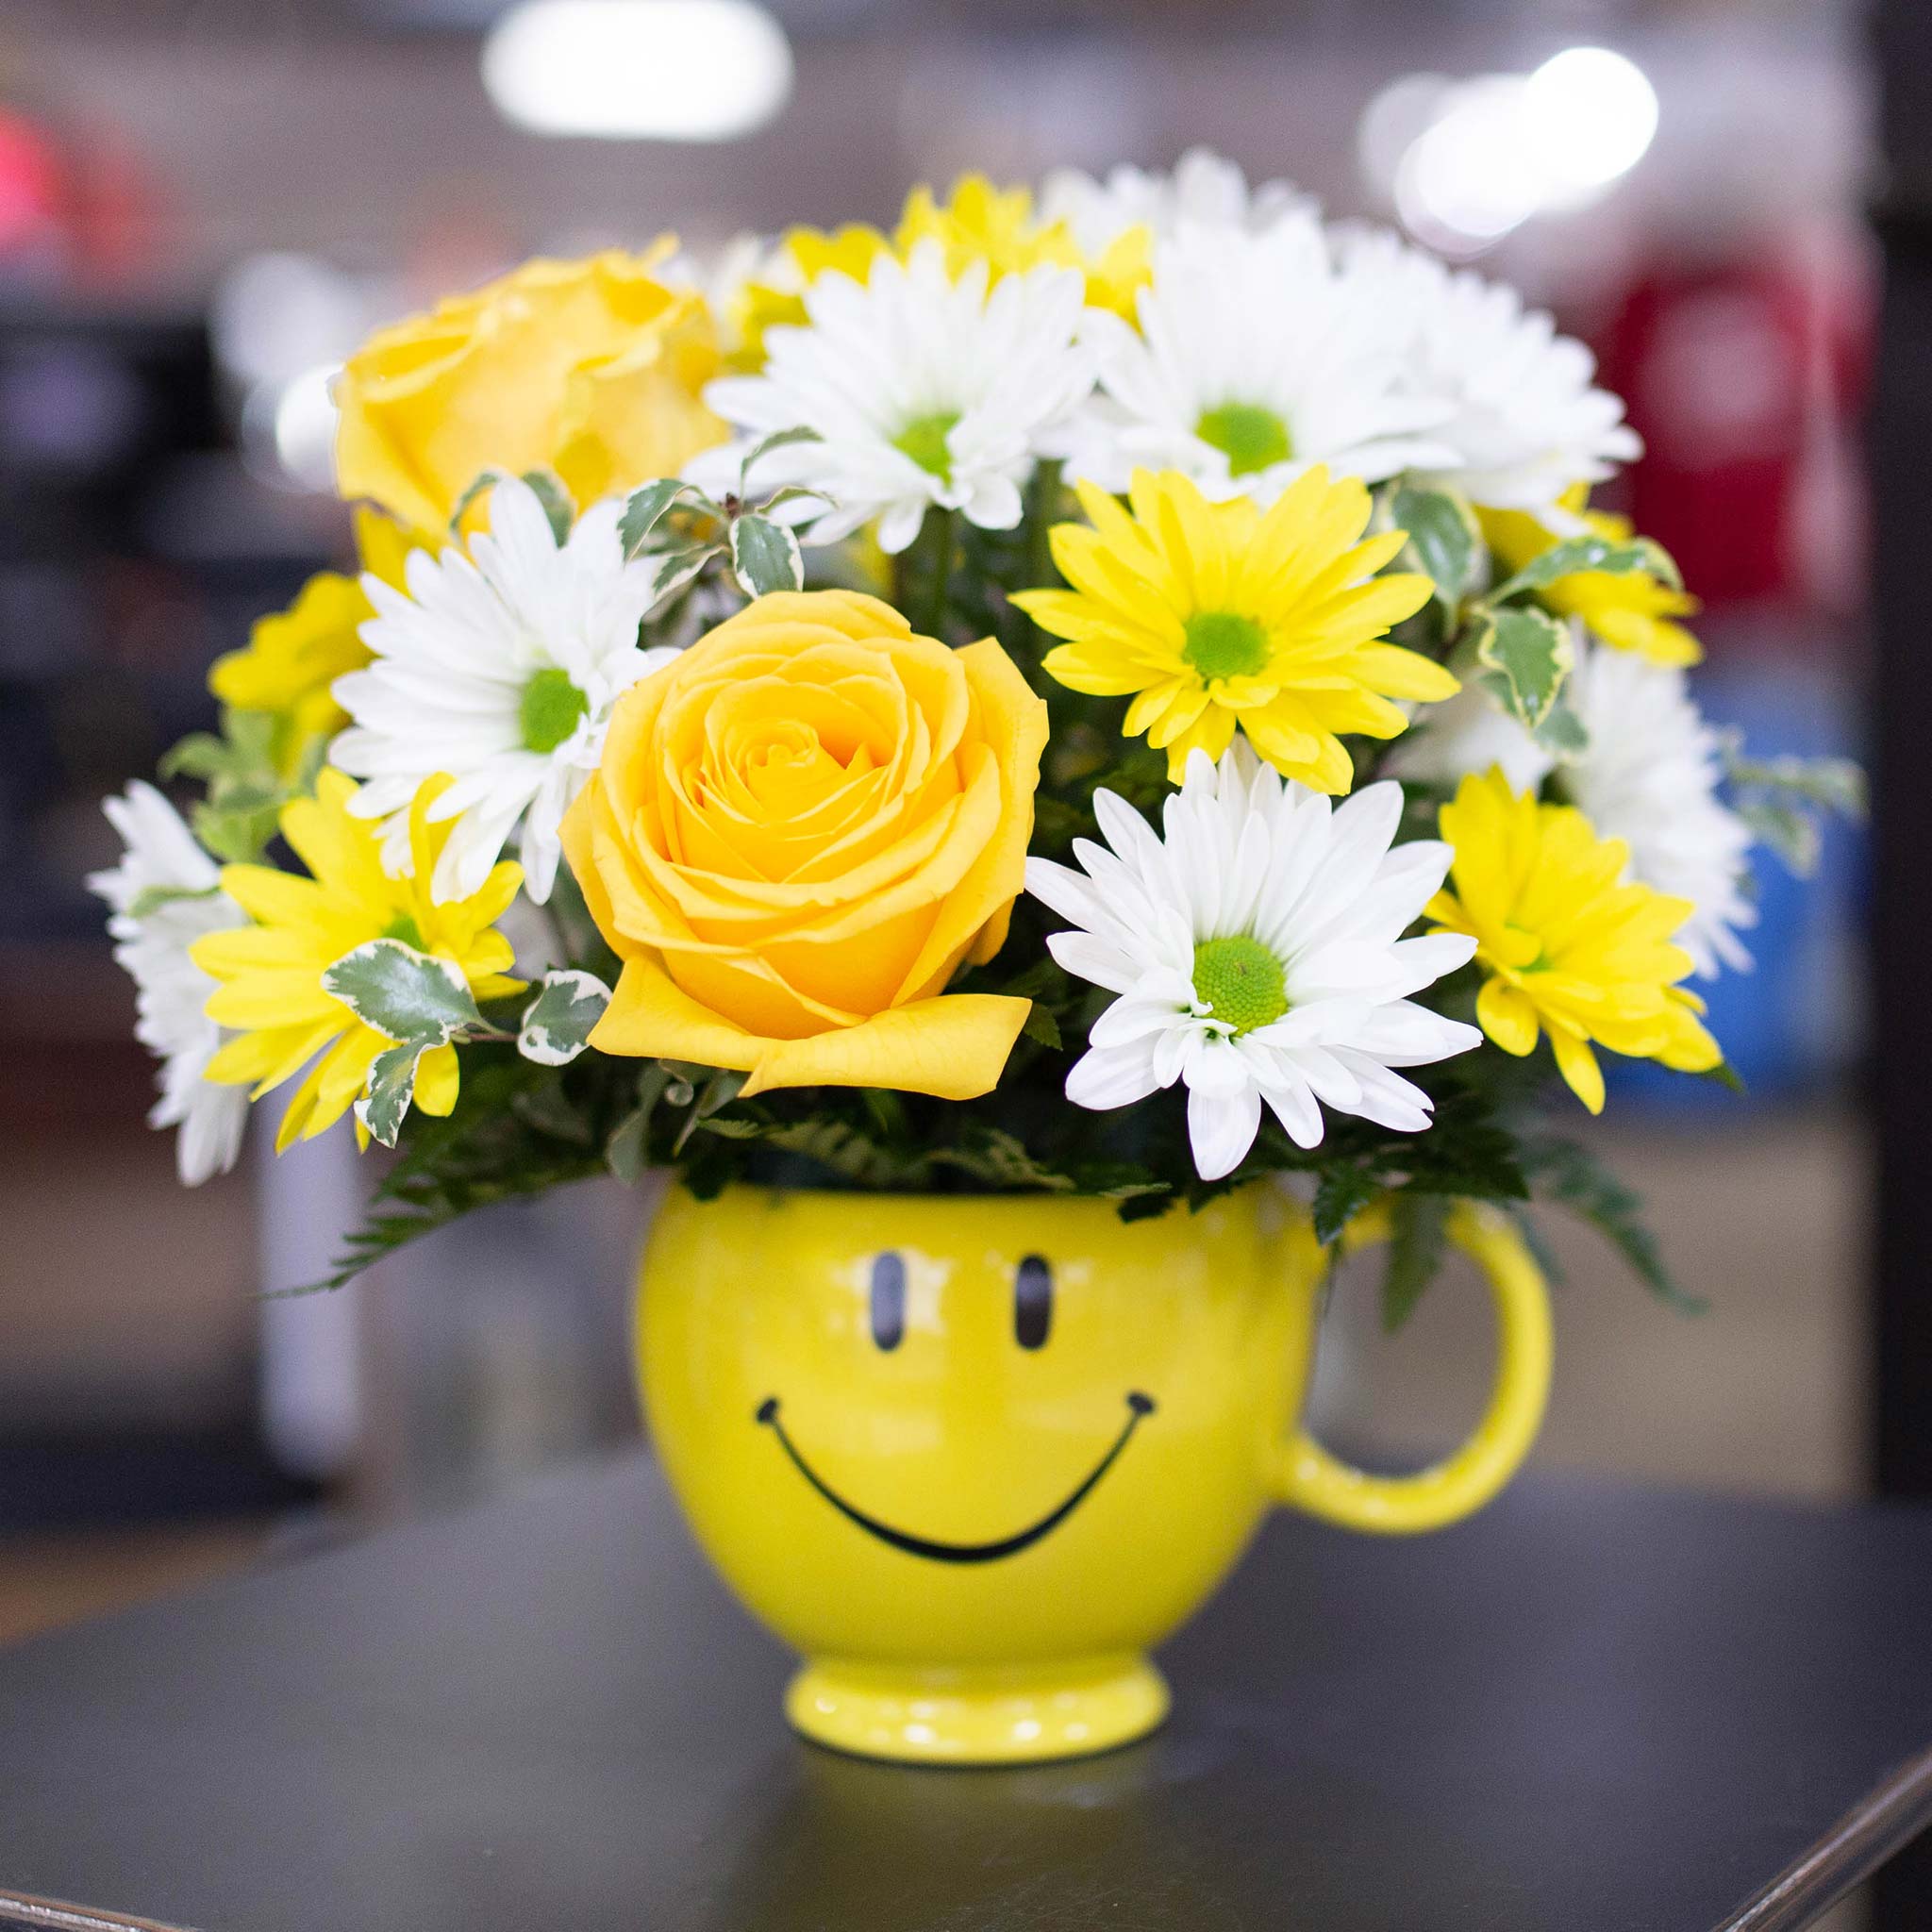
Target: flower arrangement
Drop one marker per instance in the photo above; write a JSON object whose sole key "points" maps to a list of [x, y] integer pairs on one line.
{"points": [[1119, 692]]}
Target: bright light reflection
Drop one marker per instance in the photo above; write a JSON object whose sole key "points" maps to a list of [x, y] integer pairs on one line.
{"points": [[1469, 173], [1591, 114], [659, 70], [305, 430]]}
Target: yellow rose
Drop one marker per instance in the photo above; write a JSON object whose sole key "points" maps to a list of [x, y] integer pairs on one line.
{"points": [[591, 369], [801, 828]]}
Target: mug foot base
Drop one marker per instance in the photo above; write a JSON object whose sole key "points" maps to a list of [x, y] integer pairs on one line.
{"points": [[909, 1716]]}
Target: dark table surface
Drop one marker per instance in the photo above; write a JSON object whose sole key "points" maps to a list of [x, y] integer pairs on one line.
{"points": [[1590, 1708]]}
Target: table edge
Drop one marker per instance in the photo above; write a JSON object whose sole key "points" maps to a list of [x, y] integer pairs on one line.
{"points": [[1882, 1823], [21, 1912]]}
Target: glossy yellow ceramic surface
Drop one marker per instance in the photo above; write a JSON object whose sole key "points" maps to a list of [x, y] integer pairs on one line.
{"points": [[974, 1482]]}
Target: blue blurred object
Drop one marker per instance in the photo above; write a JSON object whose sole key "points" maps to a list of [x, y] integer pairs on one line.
{"points": [[1793, 1024]]}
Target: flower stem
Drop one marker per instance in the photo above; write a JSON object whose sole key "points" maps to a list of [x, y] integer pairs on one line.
{"points": [[940, 530], [1044, 491]]}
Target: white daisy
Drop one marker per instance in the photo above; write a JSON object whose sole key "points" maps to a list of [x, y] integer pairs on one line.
{"points": [[1467, 733], [922, 390], [500, 667], [1526, 421], [1651, 777], [1257, 954], [1204, 189], [164, 894], [1256, 358]]}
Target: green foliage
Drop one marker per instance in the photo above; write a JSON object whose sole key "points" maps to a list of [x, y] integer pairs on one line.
{"points": [[1527, 654], [1592, 554], [1570, 1176], [406, 994], [556, 1025], [1444, 542], [242, 769], [645, 509], [1418, 1234], [1786, 800], [765, 556]]}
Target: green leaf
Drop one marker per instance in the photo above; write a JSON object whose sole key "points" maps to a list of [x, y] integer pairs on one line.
{"points": [[1791, 833], [391, 1086], [483, 480], [1572, 1176], [1533, 653], [556, 1024], [645, 506], [778, 440], [1579, 553], [200, 754], [718, 1091], [547, 487], [626, 1154], [237, 834], [1418, 1234], [1042, 1027], [765, 556], [405, 995], [680, 564], [150, 899], [1562, 733], [1341, 1194], [1443, 538]]}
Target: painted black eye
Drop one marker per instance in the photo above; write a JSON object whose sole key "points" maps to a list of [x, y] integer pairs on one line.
{"points": [[887, 1301], [1032, 1303]]}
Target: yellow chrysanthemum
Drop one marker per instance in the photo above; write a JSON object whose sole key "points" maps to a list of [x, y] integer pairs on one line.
{"points": [[271, 992], [804, 256], [996, 225], [1214, 615], [293, 656], [1570, 948], [1633, 611]]}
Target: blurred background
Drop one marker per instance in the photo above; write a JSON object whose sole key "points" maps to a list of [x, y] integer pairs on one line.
{"points": [[203, 207]]}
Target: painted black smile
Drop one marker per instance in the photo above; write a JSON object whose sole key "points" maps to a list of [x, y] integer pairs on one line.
{"points": [[1138, 1404]]}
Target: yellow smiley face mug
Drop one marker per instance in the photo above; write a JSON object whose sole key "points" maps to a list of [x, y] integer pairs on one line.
{"points": [[973, 1456]]}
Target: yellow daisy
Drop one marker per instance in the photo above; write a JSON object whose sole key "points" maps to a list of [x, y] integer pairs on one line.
{"points": [[1571, 949], [802, 257], [1632, 611], [294, 656], [270, 971], [1214, 615], [997, 225]]}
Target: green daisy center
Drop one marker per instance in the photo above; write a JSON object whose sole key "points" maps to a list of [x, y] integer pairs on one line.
{"points": [[1251, 438], [552, 705], [1241, 982], [924, 440], [403, 926], [1223, 644]]}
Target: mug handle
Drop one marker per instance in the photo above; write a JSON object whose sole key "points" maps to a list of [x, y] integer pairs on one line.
{"points": [[1307, 1478]]}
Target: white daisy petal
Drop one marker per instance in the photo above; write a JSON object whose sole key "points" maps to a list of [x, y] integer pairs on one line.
{"points": [[1254, 876], [501, 669], [163, 895]]}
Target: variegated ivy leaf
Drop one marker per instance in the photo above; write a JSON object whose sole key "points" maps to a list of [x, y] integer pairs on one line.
{"points": [[1576, 553], [1532, 652], [151, 899], [646, 505], [405, 995], [556, 1024], [484, 479], [676, 567], [558, 503], [765, 556], [1562, 733], [1443, 540], [778, 440], [391, 1086]]}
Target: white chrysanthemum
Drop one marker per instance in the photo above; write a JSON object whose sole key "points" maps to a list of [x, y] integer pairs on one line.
{"points": [[1467, 733], [164, 894], [1256, 358], [500, 667], [1651, 777], [1528, 421], [923, 391], [1204, 189], [1257, 954]]}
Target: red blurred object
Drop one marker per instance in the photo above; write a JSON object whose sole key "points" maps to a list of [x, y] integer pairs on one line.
{"points": [[33, 189], [1742, 375]]}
